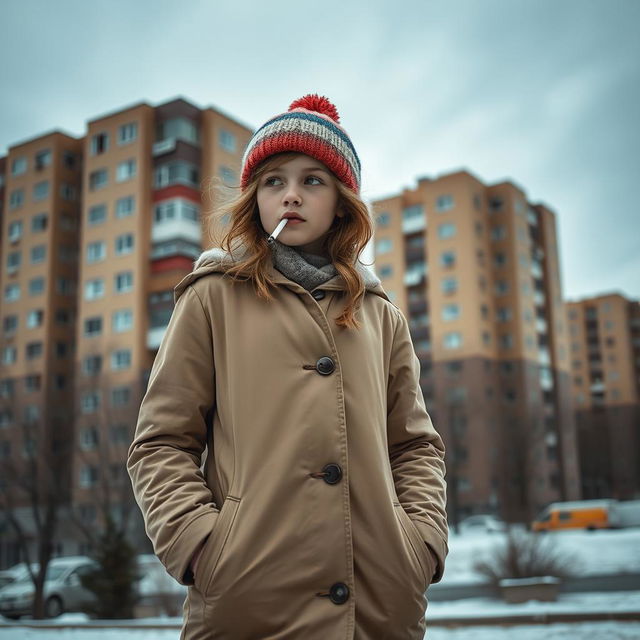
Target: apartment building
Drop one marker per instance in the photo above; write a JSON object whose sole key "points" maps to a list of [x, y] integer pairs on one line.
{"points": [[475, 269], [96, 233], [605, 363], [146, 172], [38, 274]]}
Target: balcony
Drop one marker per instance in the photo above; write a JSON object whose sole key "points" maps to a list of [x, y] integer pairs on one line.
{"points": [[538, 298], [163, 146], [541, 325], [177, 229]]}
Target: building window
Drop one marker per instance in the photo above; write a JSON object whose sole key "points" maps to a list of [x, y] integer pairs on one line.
{"points": [[503, 314], [124, 244], [449, 285], [14, 260], [68, 192], [125, 206], [9, 355], [36, 286], [122, 320], [90, 401], [386, 270], [7, 388], [15, 230], [127, 132], [69, 160], [94, 289], [40, 190], [446, 230], [16, 198], [39, 222], [97, 214], [227, 175], [177, 173], [38, 253], [121, 359], [506, 341], [88, 476], [120, 396], [33, 350], [89, 438], [499, 232], [96, 251], [66, 286], [452, 340], [383, 219], [98, 179], [10, 324], [35, 318], [92, 327], [448, 259], [124, 282], [176, 209], [126, 170], [119, 434], [444, 203], [11, 292], [19, 166], [91, 365], [500, 259], [501, 287], [450, 312], [99, 143], [227, 140], [178, 128], [384, 245]]}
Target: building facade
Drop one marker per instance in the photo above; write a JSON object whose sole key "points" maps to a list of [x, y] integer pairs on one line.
{"points": [[605, 363], [475, 269], [96, 233]]}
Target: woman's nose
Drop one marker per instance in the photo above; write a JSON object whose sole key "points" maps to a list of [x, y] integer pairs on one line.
{"points": [[291, 197]]}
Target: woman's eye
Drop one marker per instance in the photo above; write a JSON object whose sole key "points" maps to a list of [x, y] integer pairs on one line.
{"points": [[314, 178], [269, 180]]}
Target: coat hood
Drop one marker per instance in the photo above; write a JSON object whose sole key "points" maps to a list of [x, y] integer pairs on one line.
{"points": [[215, 259]]}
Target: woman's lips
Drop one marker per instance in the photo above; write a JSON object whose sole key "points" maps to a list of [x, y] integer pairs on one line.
{"points": [[294, 221]]}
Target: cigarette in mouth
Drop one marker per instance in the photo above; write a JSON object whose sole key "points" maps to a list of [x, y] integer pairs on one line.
{"points": [[277, 230]]}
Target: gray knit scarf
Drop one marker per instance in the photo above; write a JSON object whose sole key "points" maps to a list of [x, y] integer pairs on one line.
{"points": [[307, 269]]}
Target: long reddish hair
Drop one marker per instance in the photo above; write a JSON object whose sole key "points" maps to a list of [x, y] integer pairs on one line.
{"points": [[346, 238]]}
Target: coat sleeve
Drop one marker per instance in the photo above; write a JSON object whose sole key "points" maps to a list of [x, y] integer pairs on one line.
{"points": [[164, 458], [416, 450]]}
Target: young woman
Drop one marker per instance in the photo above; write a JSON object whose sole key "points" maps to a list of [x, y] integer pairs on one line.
{"points": [[284, 460]]}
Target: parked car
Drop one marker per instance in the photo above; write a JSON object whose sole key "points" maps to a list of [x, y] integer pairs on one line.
{"points": [[579, 514], [7, 576], [63, 590], [482, 522]]}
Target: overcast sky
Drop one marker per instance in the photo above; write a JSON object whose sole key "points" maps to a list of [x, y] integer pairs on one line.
{"points": [[545, 93]]}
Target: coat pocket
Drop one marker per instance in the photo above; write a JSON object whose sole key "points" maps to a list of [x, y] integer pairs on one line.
{"points": [[215, 544], [418, 545]]}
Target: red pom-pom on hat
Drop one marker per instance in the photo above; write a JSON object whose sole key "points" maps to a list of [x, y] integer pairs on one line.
{"points": [[320, 104]]}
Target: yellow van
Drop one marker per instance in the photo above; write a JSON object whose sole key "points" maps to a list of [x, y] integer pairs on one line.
{"points": [[580, 514]]}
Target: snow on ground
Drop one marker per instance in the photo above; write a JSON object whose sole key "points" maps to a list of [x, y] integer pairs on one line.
{"points": [[590, 631], [594, 552]]}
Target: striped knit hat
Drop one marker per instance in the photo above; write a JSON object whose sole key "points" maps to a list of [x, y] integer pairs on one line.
{"points": [[310, 127]]}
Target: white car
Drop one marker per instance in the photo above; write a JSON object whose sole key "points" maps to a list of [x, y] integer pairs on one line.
{"points": [[482, 522], [63, 590]]}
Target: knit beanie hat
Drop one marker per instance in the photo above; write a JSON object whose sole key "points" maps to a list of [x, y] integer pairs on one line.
{"points": [[310, 126]]}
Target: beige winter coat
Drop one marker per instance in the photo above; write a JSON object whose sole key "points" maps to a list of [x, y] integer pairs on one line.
{"points": [[322, 493]]}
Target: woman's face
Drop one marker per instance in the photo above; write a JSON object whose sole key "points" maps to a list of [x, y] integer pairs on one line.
{"points": [[302, 185]]}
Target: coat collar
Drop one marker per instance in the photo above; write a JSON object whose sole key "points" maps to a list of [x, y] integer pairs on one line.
{"points": [[213, 260]]}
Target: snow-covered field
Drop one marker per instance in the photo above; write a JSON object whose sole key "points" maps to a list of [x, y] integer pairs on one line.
{"points": [[600, 552], [594, 552]]}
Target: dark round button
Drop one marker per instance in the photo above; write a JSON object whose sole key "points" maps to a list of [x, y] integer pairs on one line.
{"points": [[325, 366], [339, 593], [332, 473], [319, 294]]}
